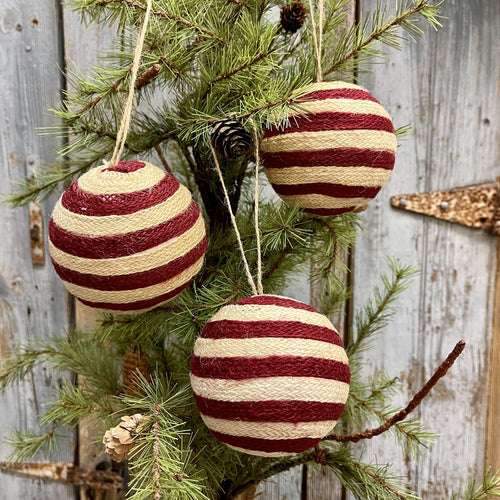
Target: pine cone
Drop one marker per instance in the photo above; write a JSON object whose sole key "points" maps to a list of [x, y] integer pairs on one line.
{"points": [[120, 440], [293, 16], [230, 139]]}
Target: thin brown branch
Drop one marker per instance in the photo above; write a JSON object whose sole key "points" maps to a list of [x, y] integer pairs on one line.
{"points": [[163, 160], [376, 34], [385, 484], [331, 264], [96, 99], [414, 403], [163, 14], [383, 418]]}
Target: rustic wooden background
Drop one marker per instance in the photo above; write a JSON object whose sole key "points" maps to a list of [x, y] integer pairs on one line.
{"points": [[447, 87]]}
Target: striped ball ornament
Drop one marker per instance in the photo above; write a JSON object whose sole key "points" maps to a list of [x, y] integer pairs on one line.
{"points": [[127, 238], [335, 155], [270, 376]]}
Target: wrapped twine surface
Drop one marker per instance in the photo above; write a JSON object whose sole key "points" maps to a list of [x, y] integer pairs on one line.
{"points": [[270, 376], [127, 238], [335, 155]]}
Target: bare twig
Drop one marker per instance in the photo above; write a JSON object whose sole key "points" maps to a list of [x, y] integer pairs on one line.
{"points": [[67, 473], [164, 162], [414, 403]]}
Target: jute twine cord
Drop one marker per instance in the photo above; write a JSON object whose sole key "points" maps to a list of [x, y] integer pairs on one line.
{"points": [[318, 40], [121, 136], [270, 376], [233, 222], [256, 213]]}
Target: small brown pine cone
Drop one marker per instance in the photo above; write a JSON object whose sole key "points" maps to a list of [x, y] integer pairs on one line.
{"points": [[229, 138], [120, 440], [293, 16], [135, 359]]}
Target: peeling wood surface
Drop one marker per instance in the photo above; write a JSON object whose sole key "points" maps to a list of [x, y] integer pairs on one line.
{"points": [[30, 296], [445, 85], [492, 457]]}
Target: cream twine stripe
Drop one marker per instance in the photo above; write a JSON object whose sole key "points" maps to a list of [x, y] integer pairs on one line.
{"points": [[108, 225], [137, 262], [270, 430], [260, 312], [375, 140], [136, 294], [316, 389], [347, 176], [272, 346], [121, 136], [233, 221], [322, 201], [259, 453], [351, 106], [100, 181]]}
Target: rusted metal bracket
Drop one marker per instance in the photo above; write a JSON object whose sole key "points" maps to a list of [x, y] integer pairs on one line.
{"points": [[67, 473], [476, 206], [36, 234]]}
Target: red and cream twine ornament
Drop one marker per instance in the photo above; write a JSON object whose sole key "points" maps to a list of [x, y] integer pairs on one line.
{"points": [[336, 154], [270, 376], [127, 238]]}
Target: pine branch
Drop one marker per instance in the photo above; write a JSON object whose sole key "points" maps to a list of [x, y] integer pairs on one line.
{"points": [[163, 14], [421, 7], [26, 444], [410, 433], [255, 60], [489, 487], [378, 312], [412, 405], [365, 480]]}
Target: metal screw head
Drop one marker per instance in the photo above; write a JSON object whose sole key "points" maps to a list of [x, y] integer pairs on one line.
{"points": [[403, 202], [444, 205]]}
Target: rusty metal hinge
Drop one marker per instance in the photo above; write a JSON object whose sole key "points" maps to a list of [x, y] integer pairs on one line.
{"points": [[476, 206], [67, 473]]}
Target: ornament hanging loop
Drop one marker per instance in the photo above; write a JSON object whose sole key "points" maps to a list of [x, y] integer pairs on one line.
{"points": [[318, 36], [251, 282], [121, 136]]}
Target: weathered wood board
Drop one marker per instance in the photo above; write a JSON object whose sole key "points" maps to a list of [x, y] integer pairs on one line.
{"points": [[446, 86], [30, 296]]}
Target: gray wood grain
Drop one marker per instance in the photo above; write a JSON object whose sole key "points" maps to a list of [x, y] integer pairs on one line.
{"points": [[446, 86], [32, 299]]}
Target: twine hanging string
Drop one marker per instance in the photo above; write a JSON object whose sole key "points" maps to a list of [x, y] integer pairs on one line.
{"points": [[256, 213], [121, 136], [318, 39], [233, 222]]}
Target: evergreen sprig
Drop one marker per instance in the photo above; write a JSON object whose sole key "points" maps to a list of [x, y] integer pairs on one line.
{"points": [[489, 487], [378, 311]]}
